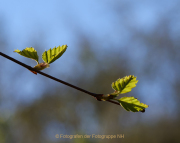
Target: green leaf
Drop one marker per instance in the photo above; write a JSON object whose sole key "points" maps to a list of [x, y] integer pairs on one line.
{"points": [[52, 55], [132, 104], [29, 53], [125, 84]]}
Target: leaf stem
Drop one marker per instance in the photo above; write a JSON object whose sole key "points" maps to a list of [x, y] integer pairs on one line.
{"points": [[97, 96]]}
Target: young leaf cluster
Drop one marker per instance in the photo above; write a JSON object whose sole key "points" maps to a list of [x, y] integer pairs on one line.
{"points": [[48, 56], [122, 86]]}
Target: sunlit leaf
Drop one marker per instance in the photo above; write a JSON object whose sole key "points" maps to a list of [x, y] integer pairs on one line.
{"points": [[125, 84], [132, 104], [29, 53], [53, 54]]}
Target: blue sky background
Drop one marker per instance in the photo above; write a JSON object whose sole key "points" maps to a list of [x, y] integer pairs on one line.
{"points": [[59, 22]]}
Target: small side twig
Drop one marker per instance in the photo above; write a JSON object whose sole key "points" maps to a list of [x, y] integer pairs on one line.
{"points": [[97, 96]]}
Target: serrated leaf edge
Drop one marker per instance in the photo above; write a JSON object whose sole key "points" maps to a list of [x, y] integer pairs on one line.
{"points": [[120, 102], [49, 57], [121, 82]]}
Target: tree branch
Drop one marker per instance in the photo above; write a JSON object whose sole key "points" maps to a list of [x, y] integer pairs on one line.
{"points": [[97, 96]]}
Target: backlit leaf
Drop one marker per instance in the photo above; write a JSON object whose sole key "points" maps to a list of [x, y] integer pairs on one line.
{"points": [[53, 54], [132, 104], [125, 84], [28, 53]]}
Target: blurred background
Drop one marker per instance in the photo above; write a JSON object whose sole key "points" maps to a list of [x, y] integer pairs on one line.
{"points": [[106, 40]]}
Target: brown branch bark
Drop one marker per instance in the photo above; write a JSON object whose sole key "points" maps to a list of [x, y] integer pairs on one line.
{"points": [[97, 96]]}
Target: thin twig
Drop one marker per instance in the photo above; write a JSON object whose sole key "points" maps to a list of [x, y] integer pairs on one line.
{"points": [[97, 96]]}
